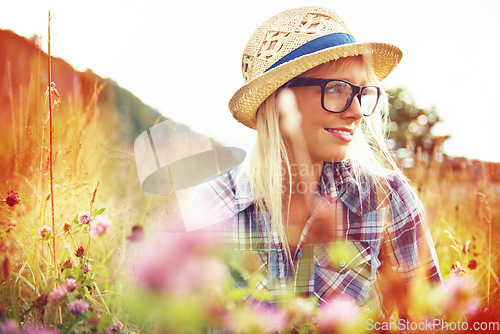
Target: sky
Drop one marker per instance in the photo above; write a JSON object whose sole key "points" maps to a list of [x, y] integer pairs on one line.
{"points": [[183, 58]]}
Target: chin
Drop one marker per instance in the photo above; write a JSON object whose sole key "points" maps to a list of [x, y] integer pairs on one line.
{"points": [[337, 156]]}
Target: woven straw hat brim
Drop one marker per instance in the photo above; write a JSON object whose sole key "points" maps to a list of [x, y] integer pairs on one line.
{"points": [[384, 57]]}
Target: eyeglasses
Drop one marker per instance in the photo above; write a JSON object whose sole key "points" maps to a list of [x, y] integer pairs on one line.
{"points": [[337, 94]]}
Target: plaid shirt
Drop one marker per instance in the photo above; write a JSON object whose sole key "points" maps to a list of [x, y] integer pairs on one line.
{"points": [[366, 234]]}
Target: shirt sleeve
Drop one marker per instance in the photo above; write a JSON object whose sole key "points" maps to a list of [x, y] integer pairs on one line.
{"points": [[410, 249]]}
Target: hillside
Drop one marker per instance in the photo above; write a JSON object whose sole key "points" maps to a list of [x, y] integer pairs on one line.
{"points": [[23, 64]]}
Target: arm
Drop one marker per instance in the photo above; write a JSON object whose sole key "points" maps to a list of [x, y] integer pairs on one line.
{"points": [[408, 255]]}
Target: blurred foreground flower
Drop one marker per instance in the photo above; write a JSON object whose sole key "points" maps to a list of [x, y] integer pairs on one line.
{"points": [[340, 316], [58, 294], [9, 326], [137, 234], [180, 263], [99, 225], [457, 297], [261, 318], [78, 306], [117, 327]]}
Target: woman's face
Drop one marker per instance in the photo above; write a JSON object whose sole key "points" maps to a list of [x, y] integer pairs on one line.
{"points": [[326, 135]]}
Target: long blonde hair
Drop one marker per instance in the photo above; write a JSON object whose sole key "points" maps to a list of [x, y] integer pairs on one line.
{"points": [[270, 160]]}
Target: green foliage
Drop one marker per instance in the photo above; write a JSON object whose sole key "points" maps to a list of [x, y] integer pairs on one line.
{"points": [[409, 123]]}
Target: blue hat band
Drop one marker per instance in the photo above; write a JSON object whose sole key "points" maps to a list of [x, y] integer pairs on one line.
{"points": [[318, 44]]}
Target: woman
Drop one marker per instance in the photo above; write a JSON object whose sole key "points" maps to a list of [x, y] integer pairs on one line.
{"points": [[321, 200]]}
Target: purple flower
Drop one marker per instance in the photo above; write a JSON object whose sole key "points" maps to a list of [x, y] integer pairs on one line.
{"points": [[45, 232], [86, 267], [99, 225], [78, 306], [58, 294], [85, 217], [71, 284], [12, 198], [117, 327]]}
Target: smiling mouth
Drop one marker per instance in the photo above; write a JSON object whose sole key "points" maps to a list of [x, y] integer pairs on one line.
{"points": [[342, 134]]}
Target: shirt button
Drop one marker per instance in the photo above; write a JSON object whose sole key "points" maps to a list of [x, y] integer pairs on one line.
{"points": [[342, 263]]}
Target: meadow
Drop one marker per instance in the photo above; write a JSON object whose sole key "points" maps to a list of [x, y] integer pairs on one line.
{"points": [[74, 215]]}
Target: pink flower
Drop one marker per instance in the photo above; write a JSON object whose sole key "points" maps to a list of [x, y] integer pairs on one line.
{"points": [[86, 267], [338, 314], [99, 225], [174, 261], [40, 330], [85, 217], [58, 294], [457, 270], [117, 327], [137, 234], [78, 306], [457, 297], [12, 198], [9, 327], [257, 319], [45, 232], [71, 284]]}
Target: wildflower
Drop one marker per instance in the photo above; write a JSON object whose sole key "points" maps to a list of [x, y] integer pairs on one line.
{"points": [[10, 326], [137, 234], [40, 302], [472, 265], [45, 232], [86, 267], [188, 253], [457, 297], [58, 294], [40, 330], [117, 327], [67, 264], [78, 306], [67, 228], [71, 284], [299, 311], [12, 198], [80, 252], [338, 315], [85, 217], [99, 226], [263, 318], [457, 270]]}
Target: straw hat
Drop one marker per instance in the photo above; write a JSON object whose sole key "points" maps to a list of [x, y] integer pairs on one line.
{"points": [[292, 42]]}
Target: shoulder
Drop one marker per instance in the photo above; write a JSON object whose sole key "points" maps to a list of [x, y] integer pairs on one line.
{"points": [[404, 201], [221, 198]]}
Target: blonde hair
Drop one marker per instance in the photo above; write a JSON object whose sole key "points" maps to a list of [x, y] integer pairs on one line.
{"points": [[368, 153]]}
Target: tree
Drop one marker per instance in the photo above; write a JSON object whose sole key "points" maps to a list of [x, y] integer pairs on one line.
{"points": [[410, 124]]}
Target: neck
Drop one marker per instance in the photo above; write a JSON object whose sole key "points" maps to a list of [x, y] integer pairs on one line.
{"points": [[304, 176]]}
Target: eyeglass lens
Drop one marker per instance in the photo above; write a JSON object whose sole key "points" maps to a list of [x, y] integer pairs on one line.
{"points": [[338, 95]]}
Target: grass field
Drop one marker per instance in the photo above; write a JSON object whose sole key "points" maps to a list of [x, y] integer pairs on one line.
{"points": [[93, 170]]}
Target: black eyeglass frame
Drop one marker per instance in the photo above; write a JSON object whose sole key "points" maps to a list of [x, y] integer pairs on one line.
{"points": [[356, 90]]}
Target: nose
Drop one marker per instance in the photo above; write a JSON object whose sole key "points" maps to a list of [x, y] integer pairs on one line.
{"points": [[354, 111]]}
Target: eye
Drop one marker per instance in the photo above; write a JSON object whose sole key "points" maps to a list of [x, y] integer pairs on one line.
{"points": [[337, 88]]}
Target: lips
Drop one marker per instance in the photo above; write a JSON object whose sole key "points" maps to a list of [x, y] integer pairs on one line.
{"points": [[344, 134]]}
